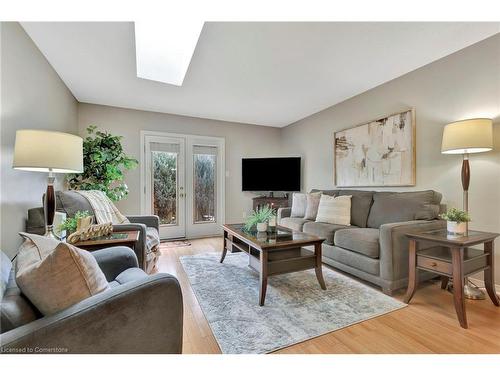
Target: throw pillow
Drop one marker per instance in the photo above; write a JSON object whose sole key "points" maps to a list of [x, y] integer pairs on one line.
{"points": [[55, 275], [312, 205], [334, 210], [299, 204]]}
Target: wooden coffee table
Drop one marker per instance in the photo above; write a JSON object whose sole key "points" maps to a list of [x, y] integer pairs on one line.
{"points": [[125, 238], [274, 253]]}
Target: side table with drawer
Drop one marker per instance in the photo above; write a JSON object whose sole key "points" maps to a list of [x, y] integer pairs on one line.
{"points": [[453, 258]]}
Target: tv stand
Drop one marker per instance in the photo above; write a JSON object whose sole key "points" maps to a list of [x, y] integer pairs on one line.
{"points": [[271, 200]]}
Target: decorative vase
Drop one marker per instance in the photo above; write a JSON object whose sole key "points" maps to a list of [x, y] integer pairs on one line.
{"points": [[455, 228], [261, 227]]}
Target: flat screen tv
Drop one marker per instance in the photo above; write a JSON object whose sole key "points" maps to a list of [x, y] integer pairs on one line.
{"points": [[271, 174]]}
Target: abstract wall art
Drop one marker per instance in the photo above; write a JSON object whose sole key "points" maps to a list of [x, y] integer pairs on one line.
{"points": [[378, 153]]}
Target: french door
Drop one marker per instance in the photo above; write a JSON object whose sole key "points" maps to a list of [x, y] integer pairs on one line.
{"points": [[183, 183]]}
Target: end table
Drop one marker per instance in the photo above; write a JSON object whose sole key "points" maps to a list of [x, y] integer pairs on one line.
{"points": [[124, 238], [453, 258]]}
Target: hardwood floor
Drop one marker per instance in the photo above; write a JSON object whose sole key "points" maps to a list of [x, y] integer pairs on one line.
{"points": [[428, 325]]}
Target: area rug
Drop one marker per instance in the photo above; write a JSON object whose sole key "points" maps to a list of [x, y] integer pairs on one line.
{"points": [[178, 243], [296, 308]]}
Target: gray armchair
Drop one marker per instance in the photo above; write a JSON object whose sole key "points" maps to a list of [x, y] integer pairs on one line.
{"points": [[140, 314], [69, 202]]}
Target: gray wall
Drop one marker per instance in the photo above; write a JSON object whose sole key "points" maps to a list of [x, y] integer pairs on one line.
{"points": [[242, 140], [463, 85], [32, 97]]}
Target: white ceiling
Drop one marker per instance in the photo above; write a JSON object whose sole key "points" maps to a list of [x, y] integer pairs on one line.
{"points": [[261, 73]]}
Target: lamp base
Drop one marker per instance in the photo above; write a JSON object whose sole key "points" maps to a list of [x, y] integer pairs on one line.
{"points": [[49, 232], [471, 291]]}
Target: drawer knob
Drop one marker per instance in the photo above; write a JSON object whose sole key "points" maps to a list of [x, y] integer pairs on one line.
{"points": [[433, 264]]}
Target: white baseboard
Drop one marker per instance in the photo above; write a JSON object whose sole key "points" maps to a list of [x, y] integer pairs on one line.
{"points": [[480, 284]]}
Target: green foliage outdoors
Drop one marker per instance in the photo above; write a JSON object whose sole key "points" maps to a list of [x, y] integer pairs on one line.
{"points": [[104, 164], [454, 214], [204, 188], [261, 215], [69, 225], [164, 181]]}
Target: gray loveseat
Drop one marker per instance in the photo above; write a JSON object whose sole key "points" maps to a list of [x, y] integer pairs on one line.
{"points": [[140, 313], [69, 202], [374, 248]]}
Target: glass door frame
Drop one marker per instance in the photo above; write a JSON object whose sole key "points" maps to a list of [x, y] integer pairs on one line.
{"points": [[204, 229], [192, 229], [177, 230]]}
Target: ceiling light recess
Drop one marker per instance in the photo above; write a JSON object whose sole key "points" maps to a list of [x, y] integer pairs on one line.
{"points": [[164, 50]]}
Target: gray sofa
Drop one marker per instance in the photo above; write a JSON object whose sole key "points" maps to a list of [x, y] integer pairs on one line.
{"points": [[140, 313], [374, 248], [69, 202]]}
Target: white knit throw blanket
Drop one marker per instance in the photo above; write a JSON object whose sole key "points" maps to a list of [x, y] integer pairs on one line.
{"points": [[104, 209]]}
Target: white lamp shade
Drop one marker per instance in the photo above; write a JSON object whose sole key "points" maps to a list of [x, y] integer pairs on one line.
{"points": [[45, 151], [468, 136]]}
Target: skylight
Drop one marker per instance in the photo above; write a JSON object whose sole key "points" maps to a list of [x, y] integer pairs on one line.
{"points": [[164, 50]]}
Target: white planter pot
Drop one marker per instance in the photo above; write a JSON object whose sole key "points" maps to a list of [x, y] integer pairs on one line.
{"points": [[261, 227], [455, 228]]}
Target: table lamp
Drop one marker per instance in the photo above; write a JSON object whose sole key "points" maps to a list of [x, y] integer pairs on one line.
{"points": [[468, 137], [50, 152]]}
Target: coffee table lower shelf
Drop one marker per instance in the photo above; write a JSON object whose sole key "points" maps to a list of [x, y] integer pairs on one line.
{"points": [[285, 261], [274, 255]]}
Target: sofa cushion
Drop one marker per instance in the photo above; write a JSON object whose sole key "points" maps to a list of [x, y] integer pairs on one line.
{"points": [[361, 203], [299, 204], [15, 309], [393, 207], [334, 210], [293, 223], [324, 230], [55, 275], [361, 240], [312, 205]]}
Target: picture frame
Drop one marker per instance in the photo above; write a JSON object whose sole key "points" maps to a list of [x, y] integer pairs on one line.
{"points": [[377, 153]]}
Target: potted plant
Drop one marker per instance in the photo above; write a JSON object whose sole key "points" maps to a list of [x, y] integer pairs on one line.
{"points": [[70, 225], [104, 165], [456, 221], [259, 218]]}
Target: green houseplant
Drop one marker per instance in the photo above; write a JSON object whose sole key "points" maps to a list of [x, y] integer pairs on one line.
{"points": [[456, 221], [69, 225], [259, 218], [104, 164]]}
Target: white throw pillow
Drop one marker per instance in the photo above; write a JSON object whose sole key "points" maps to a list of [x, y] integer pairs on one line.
{"points": [[334, 210], [55, 275], [299, 204]]}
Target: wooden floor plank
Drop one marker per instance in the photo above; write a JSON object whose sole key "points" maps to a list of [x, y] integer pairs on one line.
{"points": [[427, 325]]}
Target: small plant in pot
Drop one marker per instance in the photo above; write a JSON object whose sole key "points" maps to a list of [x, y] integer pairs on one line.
{"points": [[456, 221], [70, 225], [259, 219]]}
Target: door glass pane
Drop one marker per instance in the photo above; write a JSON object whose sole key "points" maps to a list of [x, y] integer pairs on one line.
{"points": [[204, 169], [165, 186]]}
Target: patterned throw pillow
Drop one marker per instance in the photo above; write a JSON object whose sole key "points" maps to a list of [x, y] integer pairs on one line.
{"points": [[299, 204], [334, 210], [312, 205], [55, 275]]}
